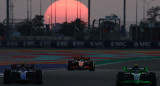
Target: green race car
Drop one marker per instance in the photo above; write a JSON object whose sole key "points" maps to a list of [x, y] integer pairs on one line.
{"points": [[136, 76]]}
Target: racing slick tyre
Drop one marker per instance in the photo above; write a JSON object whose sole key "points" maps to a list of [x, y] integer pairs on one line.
{"points": [[92, 66], [38, 77], [153, 79], [69, 65], [7, 77], [119, 78]]}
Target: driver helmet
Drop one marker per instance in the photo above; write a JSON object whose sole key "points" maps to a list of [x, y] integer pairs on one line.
{"points": [[135, 65], [23, 64]]}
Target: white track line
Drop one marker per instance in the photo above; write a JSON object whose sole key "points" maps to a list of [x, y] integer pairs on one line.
{"points": [[53, 70]]}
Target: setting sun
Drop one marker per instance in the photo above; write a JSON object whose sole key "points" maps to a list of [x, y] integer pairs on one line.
{"points": [[61, 11]]}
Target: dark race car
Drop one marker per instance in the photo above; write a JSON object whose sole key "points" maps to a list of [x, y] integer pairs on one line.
{"points": [[81, 63], [22, 73], [136, 76]]}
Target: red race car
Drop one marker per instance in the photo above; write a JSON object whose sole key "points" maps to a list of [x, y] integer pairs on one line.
{"points": [[81, 63]]}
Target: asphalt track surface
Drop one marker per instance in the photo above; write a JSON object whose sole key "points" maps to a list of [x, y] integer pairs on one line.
{"points": [[104, 75]]}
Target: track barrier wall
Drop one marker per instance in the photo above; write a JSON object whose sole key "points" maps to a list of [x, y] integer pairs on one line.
{"points": [[80, 44]]}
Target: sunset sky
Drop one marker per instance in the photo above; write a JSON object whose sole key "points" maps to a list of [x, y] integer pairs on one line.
{"points": [[66, 15], [99, 8]]}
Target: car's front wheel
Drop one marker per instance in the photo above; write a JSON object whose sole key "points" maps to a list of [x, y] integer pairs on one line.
{"points": [[119, 79], [92, 66], [38, 77], [70, 64], [153, 79], [7, 76]]}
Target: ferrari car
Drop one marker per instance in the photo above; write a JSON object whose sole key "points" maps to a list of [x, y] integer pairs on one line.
{"points": [[136, 76], [22, 73], [81, 63]]}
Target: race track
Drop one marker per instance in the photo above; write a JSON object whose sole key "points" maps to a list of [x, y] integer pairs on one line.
{"points": [[103, 76]]}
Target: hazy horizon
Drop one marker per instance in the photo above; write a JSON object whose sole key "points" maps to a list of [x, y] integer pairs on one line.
{"points": [[99, 8]]}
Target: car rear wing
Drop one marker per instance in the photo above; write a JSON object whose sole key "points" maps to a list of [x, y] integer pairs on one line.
{"points": [[132, 68], [17, 66], [85, 58]]}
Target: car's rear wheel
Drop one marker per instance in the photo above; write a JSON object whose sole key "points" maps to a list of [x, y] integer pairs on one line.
{"points": [[92, 66], [153, 79], [7, 77], [38, 77], [69, 65], [119, 78]]}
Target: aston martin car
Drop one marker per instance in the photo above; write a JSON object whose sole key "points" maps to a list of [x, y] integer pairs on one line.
{"points": [[136, 76]]}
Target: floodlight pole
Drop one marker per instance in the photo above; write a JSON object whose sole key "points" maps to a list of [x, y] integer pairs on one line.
{"points": [[77, 9], [7, 20], [80, 10], [55, 11], [27, 10], [55, 18], [124, 15], [136, 11], [51, 14], [40, 7], [136, 19], [30, 9], [7, 13], [89, 15], [144, 5], [66, 12]]}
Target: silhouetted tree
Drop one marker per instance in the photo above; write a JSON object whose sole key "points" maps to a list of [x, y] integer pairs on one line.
{"points": [[25, 28], [153, 13], [80, 24], [32, 27], [38, 21], [74, 29]]}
